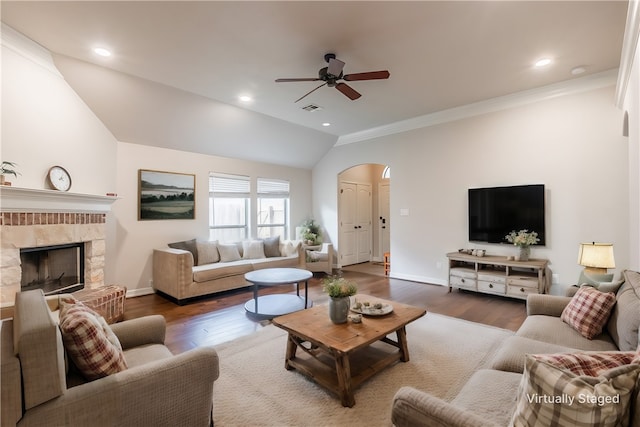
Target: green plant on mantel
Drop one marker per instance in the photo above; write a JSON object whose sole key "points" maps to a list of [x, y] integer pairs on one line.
{"points": [[7, 168]]}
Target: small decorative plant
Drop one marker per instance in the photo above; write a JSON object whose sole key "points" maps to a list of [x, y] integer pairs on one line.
{"points": [[339, 287], [522, 238], [310, 232], [8, 168]]}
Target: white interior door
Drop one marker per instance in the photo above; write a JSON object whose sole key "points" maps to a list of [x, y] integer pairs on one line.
{"points": [[363, 207], [384, 222], [347, 203]]}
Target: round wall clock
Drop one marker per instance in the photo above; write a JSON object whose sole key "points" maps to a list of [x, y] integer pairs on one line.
{"points": [[59, 178]]}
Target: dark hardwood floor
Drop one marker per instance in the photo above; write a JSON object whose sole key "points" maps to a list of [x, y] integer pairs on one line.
{"points": [[222, 318]]}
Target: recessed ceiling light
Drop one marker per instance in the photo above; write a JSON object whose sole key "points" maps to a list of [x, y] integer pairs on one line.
{"points": [[102, 51], [578, 70], [543, 62], [245, 98], [325, 124]]}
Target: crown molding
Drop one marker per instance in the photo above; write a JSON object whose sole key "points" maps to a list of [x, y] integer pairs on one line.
{"points": [[629, 46], [582, 84], [28, 49]]}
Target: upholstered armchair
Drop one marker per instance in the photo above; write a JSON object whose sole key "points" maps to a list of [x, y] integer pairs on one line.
{"points": [[40, 387]]}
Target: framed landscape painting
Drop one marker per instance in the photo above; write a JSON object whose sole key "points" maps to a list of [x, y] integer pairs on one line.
{"points": [[166, 195]]}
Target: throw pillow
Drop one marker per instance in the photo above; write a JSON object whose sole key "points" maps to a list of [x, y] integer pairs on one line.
{"points": [[207, 252], [554, 395], [187, 245], [253, 249], [228, 252], [588, 311], [272, 247], [90, 342], [290, 248]]}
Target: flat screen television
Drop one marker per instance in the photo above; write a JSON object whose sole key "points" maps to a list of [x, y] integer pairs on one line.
{"points": [[496, 211]]}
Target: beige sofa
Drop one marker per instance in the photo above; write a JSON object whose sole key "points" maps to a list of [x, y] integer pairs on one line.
{"points": [[38, 388], [176, 272], [488, 398]]}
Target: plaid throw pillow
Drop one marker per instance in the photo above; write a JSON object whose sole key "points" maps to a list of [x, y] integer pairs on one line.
{"points": [[90, 342], [588, 311], [551, 395]]}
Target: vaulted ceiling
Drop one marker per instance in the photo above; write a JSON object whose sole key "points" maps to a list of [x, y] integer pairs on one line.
{"points": [[177, 69]]}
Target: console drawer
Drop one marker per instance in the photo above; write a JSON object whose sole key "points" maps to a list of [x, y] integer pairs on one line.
{"points": [[524, 282], [462, 282], [487, 277], [463, 272], [520, 291], [491, 287]]}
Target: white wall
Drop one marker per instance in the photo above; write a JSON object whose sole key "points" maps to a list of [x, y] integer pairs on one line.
{"points": [[137, 239], [632, 107], [572, 144], [45, 123]]}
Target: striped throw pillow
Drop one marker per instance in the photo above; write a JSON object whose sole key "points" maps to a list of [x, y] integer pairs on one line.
{"points": [[556, 390], [588, 311]]}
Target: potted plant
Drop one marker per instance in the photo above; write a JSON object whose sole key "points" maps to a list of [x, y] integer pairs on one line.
{"points": [[310, 233], [7, 168], [339, 290], [523, 239]]}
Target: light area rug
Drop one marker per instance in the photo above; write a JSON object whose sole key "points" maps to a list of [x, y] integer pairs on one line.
{"points": [[254, 389]]}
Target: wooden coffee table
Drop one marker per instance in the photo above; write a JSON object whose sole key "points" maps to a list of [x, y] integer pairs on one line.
{"points": [[341, 357]]}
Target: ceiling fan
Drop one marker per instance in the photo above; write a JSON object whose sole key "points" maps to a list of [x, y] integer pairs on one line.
{"points": [[332, 74]]}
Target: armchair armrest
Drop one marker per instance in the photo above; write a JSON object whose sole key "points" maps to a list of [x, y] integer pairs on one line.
{"points": [[173, 391], [413, 407], [548, 305], [140, 331]]}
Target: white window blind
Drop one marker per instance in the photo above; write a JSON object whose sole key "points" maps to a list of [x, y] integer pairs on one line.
{"points": [[273, 187], [222, 185]]}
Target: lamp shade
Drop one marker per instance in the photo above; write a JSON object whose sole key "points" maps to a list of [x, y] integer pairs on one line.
{"points": [[596, 255]]}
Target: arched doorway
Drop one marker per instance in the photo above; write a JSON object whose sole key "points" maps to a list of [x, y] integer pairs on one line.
{"points": [[364, 227]]}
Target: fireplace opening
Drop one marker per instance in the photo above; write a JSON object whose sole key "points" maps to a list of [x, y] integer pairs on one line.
{"points": [[54, 269]]}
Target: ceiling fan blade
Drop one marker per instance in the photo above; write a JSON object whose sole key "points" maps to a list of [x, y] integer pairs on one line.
{"points": [[335, 67], [308, 93], [372, 75], [347, 90], [311, 79]]}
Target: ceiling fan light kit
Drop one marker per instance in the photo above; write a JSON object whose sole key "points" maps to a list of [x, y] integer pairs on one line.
{"points": [[332, 75]]}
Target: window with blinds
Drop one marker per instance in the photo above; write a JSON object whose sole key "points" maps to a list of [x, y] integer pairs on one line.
{"points": [[229, 197], [272, 208]]}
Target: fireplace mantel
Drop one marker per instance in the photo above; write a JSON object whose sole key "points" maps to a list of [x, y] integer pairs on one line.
{"points": [[16, 199]]}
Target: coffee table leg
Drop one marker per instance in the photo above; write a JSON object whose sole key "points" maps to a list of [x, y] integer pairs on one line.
{"points": [[402, 344], [343, 370], [306, 292], [255, 297], [292, 346]]}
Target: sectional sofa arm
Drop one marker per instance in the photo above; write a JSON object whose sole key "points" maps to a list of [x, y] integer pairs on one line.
{"points": [[173, 391], [548, 305], [172, 270], [140, 331], [412, 407]]}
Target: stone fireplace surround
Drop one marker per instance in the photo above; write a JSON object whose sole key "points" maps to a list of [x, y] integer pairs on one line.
{"points": [[33, 218]]}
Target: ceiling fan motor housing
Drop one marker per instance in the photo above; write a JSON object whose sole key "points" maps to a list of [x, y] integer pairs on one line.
{"points": [[331, 80]]}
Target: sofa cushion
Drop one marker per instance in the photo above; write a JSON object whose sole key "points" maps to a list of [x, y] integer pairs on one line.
{"points": [[484, 390], [280, 262], [553, 330], [551, 394], [253, 249], [89, 341], [272, 247], [207, 252], [187, 245], [588, 311], [624, 322], [289, 248], [510, 356], [219, 270], [228, 252]]}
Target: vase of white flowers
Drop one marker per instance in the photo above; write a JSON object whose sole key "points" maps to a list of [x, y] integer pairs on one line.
{"points": [[523, 239]]}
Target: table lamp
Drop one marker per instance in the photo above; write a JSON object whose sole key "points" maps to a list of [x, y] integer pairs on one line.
{"points": [[596, 257]]}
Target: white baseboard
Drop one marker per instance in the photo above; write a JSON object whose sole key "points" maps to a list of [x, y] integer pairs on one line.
{"points": [[131, 293], [421, 279]]}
